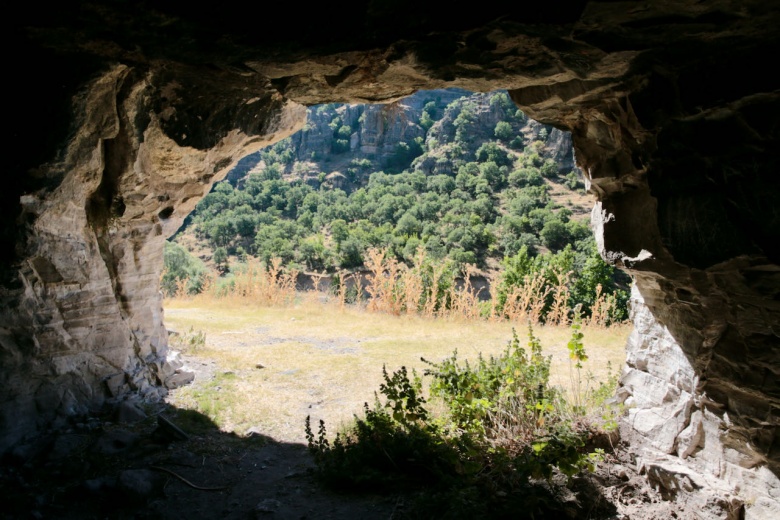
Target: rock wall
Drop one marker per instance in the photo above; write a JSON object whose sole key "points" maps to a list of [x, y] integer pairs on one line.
{"points": [[700, 385], [130, 114], [85, 323]]}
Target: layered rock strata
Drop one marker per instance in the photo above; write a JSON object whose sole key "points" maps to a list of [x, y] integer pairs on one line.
{"points": [[85, 322]]}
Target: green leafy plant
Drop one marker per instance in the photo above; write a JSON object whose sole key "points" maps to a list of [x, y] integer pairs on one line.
{"points": [[504, 425]]}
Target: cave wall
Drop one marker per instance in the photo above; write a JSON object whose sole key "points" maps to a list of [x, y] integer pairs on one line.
{"points": [[83, 319], [690, 210], [674, 121]]}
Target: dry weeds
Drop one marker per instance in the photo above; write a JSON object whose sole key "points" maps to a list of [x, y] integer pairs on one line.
{"points": [[325, 360], [421, 289]]}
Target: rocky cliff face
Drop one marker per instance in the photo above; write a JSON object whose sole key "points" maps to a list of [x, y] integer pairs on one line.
{"points": [[673, 118]]}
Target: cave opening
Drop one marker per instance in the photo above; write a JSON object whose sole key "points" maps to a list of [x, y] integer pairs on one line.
{"points": [[670, 110], [365, 192]]}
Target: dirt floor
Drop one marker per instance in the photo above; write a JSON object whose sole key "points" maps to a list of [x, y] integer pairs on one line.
{"points": [[154, 461]]}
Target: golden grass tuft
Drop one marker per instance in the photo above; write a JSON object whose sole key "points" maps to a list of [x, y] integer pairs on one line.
{"points": [[422, 289]]}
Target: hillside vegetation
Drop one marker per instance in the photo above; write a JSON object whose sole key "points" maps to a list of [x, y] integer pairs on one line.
{"points": [[445, 182]]}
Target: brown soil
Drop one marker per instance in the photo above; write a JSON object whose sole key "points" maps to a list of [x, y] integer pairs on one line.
{"points": [[132, 464]]}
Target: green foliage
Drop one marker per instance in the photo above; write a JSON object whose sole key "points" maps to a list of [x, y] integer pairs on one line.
{"points": [[549, 169], [501, 100], [503, 131], [555, 235], [465, 120], [518, 143], [575, 346], [458, 190], [393, 446], [475, 394], [405, 153], [221, 258], [588, 276], [526, 177], [180, 267], [490, 151], [504, 426]]}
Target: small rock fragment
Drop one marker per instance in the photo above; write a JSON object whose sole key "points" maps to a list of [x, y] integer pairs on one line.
{"points": [[140, 483], [116, 441], [166, 430]]}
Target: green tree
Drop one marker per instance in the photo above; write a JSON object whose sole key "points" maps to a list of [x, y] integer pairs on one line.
{"points": [[490, 151], [178, 265], [503, 131], [555, 235], [220, 258], [351, 253], [313, 253], [272, 171], [339, 231], [549, 169]]}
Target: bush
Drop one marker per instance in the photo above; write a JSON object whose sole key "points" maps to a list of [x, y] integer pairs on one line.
{"points": [[518, 143], [549, 169], [526, 177], [555, 234], [504, 425], [503, 131], [182, 272], [573, 181]]}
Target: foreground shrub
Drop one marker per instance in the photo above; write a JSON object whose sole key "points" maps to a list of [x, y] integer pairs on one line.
{"points": [[503, 427]]}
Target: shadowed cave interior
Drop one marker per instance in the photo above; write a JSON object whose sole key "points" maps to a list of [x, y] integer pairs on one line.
{"points": [[124, 115]]}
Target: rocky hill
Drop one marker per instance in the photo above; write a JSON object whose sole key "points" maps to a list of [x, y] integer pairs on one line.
{"points": [[424, 132], [466, 177]]}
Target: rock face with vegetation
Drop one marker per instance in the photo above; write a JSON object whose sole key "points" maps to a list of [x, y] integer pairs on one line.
{"points": [[480, 184], [128, 112]]}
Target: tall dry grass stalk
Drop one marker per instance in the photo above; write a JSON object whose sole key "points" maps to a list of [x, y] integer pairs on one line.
{"points": [[263, 284], [559, 311], [396, 289], [181, 287], [384, 274], [412, 284], [464, 301], [432, 302], [525, 303], [604, 306]]}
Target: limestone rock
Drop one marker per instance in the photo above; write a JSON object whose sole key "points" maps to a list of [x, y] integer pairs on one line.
{"points": [[129, 412]]}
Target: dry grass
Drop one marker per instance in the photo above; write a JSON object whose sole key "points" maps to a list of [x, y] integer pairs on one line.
{"points": [[325, 359], [422, 289]]}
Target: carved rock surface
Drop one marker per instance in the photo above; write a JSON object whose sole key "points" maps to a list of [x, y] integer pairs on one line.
{"points": [[132, 111]]}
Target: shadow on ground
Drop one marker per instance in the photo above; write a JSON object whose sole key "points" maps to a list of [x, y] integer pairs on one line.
{"points": [[162, 462], [166, 463]]}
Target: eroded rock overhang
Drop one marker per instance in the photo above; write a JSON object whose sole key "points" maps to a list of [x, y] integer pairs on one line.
{"points": [[126, 116]]}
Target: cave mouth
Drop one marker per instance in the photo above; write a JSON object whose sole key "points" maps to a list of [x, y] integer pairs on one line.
{"points": [[150, 109], [475, 150], [313, 199]]}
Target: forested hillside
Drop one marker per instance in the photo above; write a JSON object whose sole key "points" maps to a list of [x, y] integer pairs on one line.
{"points": [[464, 178]]}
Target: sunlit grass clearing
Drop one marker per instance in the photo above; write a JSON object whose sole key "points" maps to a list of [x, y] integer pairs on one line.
{"points": [[326, 361]]}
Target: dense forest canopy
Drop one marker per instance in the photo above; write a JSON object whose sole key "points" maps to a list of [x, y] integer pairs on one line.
{"points": [[466, 179]]}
